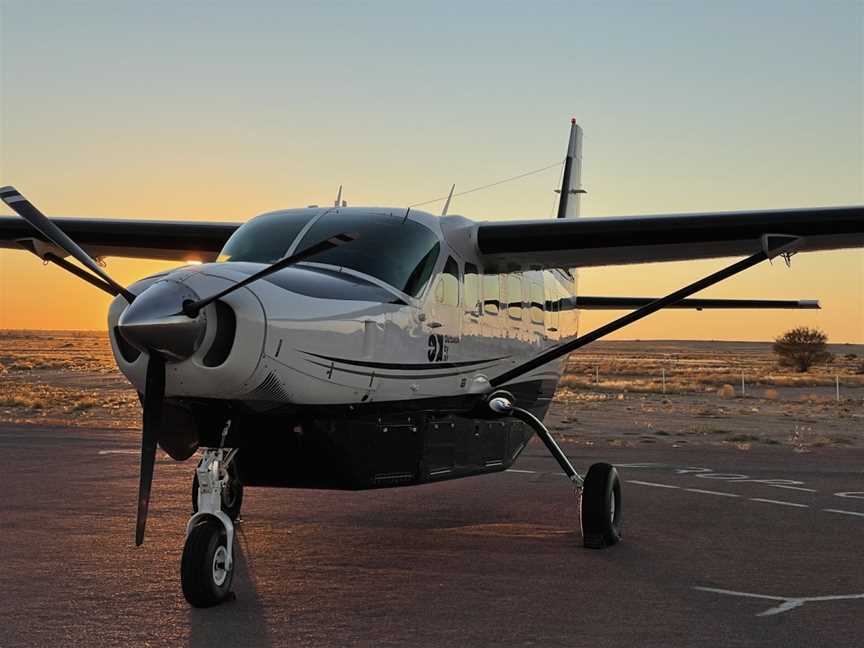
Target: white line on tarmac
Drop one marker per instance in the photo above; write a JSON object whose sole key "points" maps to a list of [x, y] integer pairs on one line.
{"points": [[644, 483], [842, 512], [526, 472], [780, 502], [110, 452], [710, 492], [798, 488], [786, 602]]}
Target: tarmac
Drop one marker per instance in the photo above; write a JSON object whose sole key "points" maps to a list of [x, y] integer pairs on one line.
{"points": [[722, 547]]}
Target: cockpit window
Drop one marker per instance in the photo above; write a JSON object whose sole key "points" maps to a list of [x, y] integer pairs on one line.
{"points": [[389, 247], [265, 238]]}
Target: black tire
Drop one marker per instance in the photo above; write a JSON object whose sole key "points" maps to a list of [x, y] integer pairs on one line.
{"points": [[204, 585], [601, 507], [232, 494]]}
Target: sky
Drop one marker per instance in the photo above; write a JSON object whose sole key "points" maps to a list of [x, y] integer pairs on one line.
{"points": [[223, 110]]}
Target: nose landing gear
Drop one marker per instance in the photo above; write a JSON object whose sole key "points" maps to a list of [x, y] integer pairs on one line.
{"points": [[207, 565], [232, 491]]}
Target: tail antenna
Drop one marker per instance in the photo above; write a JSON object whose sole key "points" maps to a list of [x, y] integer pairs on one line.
{"points": [[449, 198]]}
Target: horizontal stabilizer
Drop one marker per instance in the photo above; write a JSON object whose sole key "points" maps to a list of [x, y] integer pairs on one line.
{"points": [[588, 302]]}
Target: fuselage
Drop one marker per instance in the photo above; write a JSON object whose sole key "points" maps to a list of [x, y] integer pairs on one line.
{"points": [[401, 314]]}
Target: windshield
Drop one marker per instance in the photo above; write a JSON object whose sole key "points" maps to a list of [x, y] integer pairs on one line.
{"points": [[265, 238], [398, 251]]}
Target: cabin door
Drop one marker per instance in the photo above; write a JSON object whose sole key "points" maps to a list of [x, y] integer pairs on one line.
{"points": [[444, 313]]}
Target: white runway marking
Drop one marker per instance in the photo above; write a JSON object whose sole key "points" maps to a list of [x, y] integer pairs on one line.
{"points": [[110, 452], [699, 491], [780, 502], [851, 494], [787, 602], [798, 488], [710, 492], [644, 483], [842, 512]]}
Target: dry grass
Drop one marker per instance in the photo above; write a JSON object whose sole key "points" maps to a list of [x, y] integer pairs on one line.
{"points": [[23, 398], [84, 404]]}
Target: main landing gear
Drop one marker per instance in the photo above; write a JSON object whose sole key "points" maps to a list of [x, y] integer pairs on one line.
{"points": [[600, 489], [207, 566]]}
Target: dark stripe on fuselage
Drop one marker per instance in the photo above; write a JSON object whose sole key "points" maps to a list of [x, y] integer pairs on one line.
{"points": [[407, 367], [425, 376]]}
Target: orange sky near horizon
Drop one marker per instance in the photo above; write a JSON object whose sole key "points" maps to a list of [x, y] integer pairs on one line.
{"points": [[163, 110]]}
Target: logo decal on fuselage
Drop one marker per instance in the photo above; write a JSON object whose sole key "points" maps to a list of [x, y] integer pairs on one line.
{"points": [[437, 348]]}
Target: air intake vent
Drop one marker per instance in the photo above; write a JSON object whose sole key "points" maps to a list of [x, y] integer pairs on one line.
{"points": [[130, 354], [223, 342], [270, 390]]}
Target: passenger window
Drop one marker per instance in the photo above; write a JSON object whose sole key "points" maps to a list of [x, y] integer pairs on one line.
{"points": [[472, 289], [514, 296], [537, 303], [447, 289], [491, 294]]}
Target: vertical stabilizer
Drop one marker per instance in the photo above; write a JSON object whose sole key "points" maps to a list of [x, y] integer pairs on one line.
{"points": [[571, 183]]}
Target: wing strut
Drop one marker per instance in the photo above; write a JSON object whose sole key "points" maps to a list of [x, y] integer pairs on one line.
{"points": [[772, 246]]}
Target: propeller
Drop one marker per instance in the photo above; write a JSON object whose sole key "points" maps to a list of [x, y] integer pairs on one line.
{"points": [[154, 394], [192, 308], [25, 209], [155, 323]]}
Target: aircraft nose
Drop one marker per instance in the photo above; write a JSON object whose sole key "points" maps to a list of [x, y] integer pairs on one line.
{"points": [[155, 321]]}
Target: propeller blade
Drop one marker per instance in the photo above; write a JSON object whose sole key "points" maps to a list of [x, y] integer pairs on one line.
{"points": [[154, 393], [25, 209], [193, 308]]}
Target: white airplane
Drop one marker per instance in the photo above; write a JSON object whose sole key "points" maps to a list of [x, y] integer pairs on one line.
{"points": [[356, 348]]}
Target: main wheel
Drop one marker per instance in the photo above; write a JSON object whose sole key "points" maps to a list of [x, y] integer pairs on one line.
{"points": [[204, 571], [232, 494], [601, 507]]}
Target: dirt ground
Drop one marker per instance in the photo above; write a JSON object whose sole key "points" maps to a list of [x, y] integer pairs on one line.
{"points": [[68, 378]]}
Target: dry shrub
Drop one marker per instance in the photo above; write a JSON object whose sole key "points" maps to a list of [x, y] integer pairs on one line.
{"points": [[771, 394], [726, 391]]}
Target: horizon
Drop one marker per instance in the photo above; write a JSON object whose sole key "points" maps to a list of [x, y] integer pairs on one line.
{"points": [[4, 331]]}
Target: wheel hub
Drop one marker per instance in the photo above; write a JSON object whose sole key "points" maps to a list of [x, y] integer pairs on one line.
{"points": [[220, 558]]}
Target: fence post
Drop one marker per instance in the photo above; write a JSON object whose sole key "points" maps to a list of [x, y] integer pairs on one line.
{"points": [[837, 387], [663, 377], [743, 388], [596, 374]]}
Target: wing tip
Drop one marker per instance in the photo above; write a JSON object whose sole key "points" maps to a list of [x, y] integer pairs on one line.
{"points": [[809, 303]]}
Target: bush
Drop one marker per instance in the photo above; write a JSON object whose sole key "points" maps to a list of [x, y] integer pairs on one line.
{"points": [[726, 391], [801, 348]]}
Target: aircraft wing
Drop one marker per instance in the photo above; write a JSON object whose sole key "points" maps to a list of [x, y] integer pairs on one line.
{"points": [[170, 240], [580, 242]]}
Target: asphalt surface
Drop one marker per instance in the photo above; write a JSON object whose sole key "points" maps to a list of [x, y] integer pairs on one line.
{"points": [[485, 561]]}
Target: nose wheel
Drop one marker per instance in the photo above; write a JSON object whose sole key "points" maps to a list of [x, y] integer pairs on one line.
{"points": [[207, 566], [206, 571]]}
